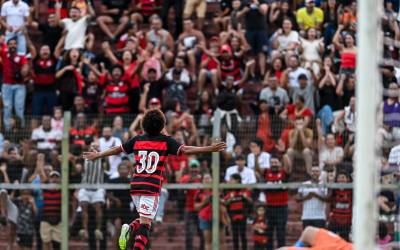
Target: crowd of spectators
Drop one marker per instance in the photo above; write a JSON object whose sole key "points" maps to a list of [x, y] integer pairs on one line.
{"points": [[281, 73]]}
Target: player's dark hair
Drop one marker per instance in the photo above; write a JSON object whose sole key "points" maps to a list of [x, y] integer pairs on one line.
{"points": [[153, 122]]}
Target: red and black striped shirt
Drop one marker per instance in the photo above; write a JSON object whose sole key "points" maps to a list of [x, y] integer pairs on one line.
{"points": [[342, 206], [151, 154], [52, 206]]}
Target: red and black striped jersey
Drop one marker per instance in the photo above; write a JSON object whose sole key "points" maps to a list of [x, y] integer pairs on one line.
{"points": [[151, 154], [342, 206], [52, 206]]}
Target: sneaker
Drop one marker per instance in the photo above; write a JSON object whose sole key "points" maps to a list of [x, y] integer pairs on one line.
{"points": [[123, 237], [83, 234], [98, 234]]}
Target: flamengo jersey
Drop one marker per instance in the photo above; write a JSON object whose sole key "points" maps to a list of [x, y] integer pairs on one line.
{"points": [[151, 153], [276, 197], [342, 206]]}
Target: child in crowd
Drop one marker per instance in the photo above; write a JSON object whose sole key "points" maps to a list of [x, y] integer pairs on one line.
{"points": [[259, 227]]}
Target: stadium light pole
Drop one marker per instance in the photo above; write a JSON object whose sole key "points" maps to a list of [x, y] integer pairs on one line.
{"points": [[368, 97], [65, 181]]}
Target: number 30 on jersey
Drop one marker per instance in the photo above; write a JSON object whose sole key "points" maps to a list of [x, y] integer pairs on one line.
{"points": [[148, 162]]}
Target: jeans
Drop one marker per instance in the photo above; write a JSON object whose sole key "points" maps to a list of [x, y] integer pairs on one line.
{"points": [[276, 219], [239, 230], [21, 41], [42, 99], [314, 223], [161, 203], [13, 98], [192, 226]]}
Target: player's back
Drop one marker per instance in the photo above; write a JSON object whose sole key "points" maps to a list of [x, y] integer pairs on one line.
{"points": [[151, 152]]}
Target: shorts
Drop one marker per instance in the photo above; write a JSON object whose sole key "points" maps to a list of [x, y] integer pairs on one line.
{"points": [[258, 41], [204, 224], [12, 210], [146, 206], [326, 240], [92, 196], [50, 232], [199, 5]]}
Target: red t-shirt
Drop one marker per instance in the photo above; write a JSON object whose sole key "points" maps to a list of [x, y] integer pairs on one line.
{"points": [[291, 110], [276, 197], [212, 64], [206, 212], [190, 193], [133, 80], [11, 65], [175, 162]]}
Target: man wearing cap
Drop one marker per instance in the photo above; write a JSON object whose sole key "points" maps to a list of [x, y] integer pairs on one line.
{"points": [[305, 89], [310, 16], [247, 175], [191, 218]]}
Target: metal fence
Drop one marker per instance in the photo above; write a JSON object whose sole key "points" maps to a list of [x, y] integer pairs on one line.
{"points": [[171, 232]]}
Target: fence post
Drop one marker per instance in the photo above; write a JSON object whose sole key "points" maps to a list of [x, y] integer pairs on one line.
{"points": [[216, 134], [65, 181]]}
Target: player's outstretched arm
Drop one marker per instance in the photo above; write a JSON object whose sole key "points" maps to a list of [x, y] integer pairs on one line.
{"points": [[94, 155], [215, 147]]}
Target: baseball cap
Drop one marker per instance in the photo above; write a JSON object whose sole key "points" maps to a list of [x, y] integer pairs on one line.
{"points": [[194, 163], [154, 100], [54, 173], [226, 48], [309, 1]]}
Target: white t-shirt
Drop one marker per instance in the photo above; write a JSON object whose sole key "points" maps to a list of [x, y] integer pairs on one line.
{"points": [[284, 41], [75, 38], [313, 209], [15, 14], [113, 160], [247, 174], [329, 155], [48, 139], [294, 75], [263, 160]]}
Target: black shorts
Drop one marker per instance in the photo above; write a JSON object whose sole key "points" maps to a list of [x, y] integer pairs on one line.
{"points": [[258, 41], [25, 240]]}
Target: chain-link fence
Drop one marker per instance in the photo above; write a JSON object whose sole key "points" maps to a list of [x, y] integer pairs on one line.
{"points": [[262, 185]]}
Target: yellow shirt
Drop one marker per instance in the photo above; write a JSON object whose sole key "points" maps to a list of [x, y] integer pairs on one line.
{"points": [[309, 20]]}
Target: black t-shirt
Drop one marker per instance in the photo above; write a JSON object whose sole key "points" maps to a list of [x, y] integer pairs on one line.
{"points": [[347, 95], [51, 35], [116, 4], [156, 89], [226, 100], [327, 96], [255, 21]]}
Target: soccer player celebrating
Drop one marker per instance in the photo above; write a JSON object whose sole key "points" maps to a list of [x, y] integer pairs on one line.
{"points": [[151, 151]]}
